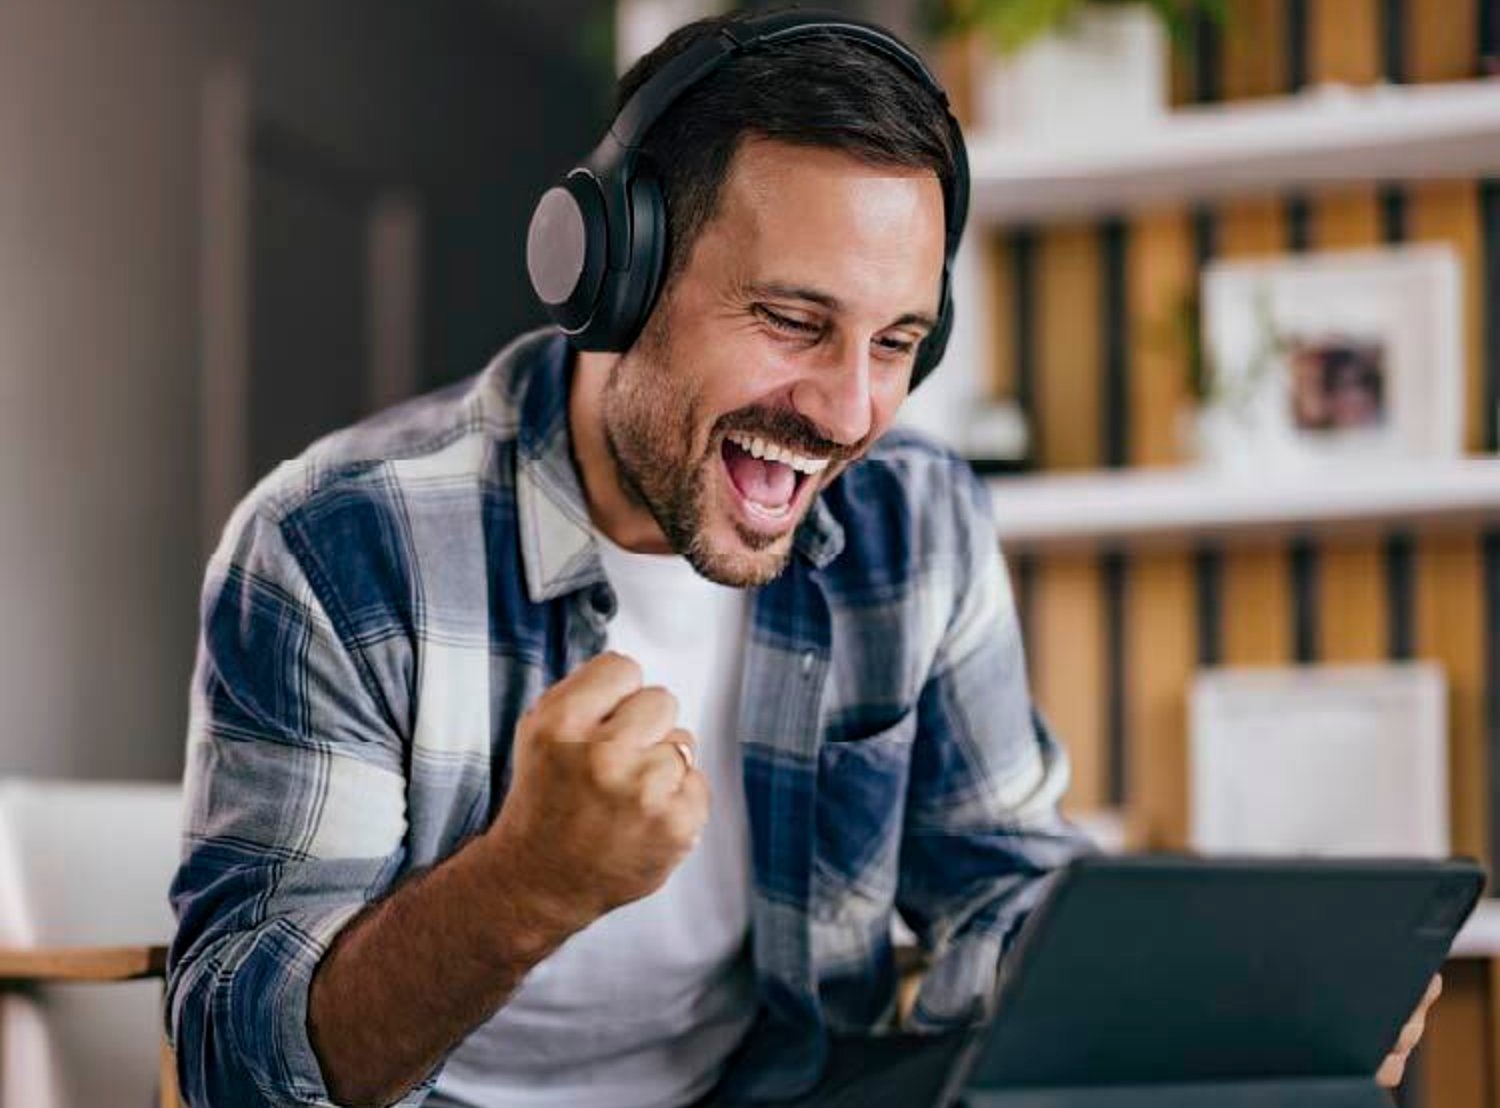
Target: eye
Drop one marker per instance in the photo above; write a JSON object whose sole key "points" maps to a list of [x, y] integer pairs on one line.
{"points": [[800, 328], [896, 347]]}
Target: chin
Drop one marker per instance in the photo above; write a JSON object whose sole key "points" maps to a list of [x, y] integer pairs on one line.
{"points": [[740, 559]]}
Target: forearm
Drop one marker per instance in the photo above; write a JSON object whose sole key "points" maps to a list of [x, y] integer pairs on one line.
{"points": [[419, 970]]}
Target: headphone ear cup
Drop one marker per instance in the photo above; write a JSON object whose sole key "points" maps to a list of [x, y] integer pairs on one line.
{"points": [[566, 250], [628, 295], [930, 353]]}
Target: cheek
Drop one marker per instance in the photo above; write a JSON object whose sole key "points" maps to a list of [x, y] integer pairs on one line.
{"points": [[885, 403], [758, 378]]}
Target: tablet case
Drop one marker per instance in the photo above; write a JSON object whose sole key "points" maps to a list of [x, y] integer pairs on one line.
{"points": [[1182, 982]]}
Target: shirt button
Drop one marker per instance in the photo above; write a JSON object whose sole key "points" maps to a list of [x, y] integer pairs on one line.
{"points": [[807, 663], [602, 600]]}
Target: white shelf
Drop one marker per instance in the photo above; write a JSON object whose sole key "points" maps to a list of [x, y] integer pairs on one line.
{"points": [[1137, 507], [1322, 137], [1480, 936]]}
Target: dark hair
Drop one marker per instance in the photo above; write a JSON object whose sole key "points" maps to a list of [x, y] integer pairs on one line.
{"points": [[822, 90]]}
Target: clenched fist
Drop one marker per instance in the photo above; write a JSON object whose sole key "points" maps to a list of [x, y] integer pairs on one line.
{"points": [[604, 799]]}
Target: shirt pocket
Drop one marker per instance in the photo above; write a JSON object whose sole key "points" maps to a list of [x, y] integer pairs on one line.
{"points": [[861, 804]]}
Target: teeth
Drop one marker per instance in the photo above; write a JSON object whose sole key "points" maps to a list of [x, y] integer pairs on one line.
{"points": [[772, 452]]}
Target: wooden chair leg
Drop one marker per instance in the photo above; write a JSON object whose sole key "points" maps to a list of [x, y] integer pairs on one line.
{"points": [[168, 1097], [1492, 1045]]}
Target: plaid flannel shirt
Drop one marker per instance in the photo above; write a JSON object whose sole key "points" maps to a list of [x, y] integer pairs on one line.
{"points": [[382, 610]]}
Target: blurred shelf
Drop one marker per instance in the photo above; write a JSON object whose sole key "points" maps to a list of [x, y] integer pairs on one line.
{"points": [[998, 467], [1480, 936], [1154, 506], [1326, 136]]}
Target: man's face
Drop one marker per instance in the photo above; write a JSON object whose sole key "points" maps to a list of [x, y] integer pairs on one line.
{"points": [[780, 353]]}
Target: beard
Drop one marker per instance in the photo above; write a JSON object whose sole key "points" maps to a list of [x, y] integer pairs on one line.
{"points": [[652, 423]]}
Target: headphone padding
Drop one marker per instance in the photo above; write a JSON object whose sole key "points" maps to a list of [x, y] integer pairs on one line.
{"points": [[627, 295], [565, 251], [930, 352]]}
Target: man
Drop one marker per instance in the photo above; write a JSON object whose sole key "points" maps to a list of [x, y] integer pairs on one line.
{"points": [[571, 736]]}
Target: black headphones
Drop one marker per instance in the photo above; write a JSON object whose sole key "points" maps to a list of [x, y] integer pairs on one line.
{"points": [[597, 241]]}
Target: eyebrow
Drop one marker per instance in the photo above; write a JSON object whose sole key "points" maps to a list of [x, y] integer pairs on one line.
{"points": [[782, 291]]}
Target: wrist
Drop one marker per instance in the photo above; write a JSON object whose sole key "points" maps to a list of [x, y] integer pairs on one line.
{"points": [[535, 918]]}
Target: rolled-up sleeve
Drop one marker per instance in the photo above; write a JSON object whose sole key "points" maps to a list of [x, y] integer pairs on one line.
{"points": [[295, 802], [982, 828]]}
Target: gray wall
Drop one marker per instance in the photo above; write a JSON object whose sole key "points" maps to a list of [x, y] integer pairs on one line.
{"points": [[98, 444], [100, 554], [479, 106]]}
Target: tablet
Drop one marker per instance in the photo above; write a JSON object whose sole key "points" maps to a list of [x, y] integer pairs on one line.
{"points": [[1177, 971]]}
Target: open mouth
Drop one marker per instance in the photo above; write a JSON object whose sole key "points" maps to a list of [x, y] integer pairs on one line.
{"points": [[769, 479]]}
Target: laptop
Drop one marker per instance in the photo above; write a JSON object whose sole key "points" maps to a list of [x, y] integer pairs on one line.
{"points": [[1180, 982]]}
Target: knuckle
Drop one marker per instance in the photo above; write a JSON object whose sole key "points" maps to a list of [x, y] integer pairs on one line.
{"points": [[605, 766], [689, 815], [551, 715], [626, 668], [680, 827], [664, 699], [527, 728], [534, 740], [654, 803]]}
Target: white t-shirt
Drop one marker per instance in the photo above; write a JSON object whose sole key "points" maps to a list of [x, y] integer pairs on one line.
{"points": [[641, 1009]]}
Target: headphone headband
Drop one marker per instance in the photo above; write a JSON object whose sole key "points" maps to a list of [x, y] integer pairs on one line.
{"points": [[699, 61], [596, 246]]}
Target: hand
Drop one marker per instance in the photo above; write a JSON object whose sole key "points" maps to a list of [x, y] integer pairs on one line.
{"points": [[1394, 1067], [603, 803]]}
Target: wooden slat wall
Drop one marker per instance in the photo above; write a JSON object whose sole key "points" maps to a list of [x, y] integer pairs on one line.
{"points": [[1254, 49], [1346, 585], [1161, 648], [1454, 1067], [1343, 38], [1450, 568], [1114, 645], [1257, 586], [1067, 605], [1440, 38], [1344, 44]]}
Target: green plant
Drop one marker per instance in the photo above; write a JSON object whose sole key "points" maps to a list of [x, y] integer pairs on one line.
{"points": [[1177, 335], [1011, 24]]}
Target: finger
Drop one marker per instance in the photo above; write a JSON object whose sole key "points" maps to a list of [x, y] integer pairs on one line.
{"points": [[662, 773], [682, 741], [642, 718], [1434, 990], [1391, 1071], [576, 704], [690, 807], [1411, 1035]]}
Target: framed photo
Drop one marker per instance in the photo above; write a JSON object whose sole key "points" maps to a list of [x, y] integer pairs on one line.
{"points": [[1332, 358], [1320, 760]]}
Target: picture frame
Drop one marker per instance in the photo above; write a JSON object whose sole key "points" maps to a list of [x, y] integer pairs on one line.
{"points": [[1330, 761], [1331, 359]]}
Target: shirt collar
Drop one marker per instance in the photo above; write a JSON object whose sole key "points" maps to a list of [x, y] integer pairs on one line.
{"points": [[558, 550]]}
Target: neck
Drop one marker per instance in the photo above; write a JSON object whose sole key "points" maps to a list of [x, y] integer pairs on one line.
{"points": [[612, 509]]}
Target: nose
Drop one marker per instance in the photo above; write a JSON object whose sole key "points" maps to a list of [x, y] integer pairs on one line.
{"points": [[835, 394]]}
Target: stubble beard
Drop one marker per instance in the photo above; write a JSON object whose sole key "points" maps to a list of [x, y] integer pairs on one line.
{"points": [[650, 426]]}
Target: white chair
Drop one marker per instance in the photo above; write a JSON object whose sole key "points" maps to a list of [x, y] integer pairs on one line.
{"points": [[84, 871]]}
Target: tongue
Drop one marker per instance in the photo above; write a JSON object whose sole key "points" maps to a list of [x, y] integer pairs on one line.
{"points": [[769, 485]]}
